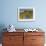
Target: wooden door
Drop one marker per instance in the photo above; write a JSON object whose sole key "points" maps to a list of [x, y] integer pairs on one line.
{"points": [[13, 39], [34, 39]]}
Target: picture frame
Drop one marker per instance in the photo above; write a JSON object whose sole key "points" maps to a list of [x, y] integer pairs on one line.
{"points": [[26, 14]]}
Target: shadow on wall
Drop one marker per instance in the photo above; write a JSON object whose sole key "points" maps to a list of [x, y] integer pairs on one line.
{"points": [[2, 26]]}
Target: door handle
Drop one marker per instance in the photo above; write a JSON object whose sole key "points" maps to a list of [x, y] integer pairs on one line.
{"points": [[33, 39]]}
